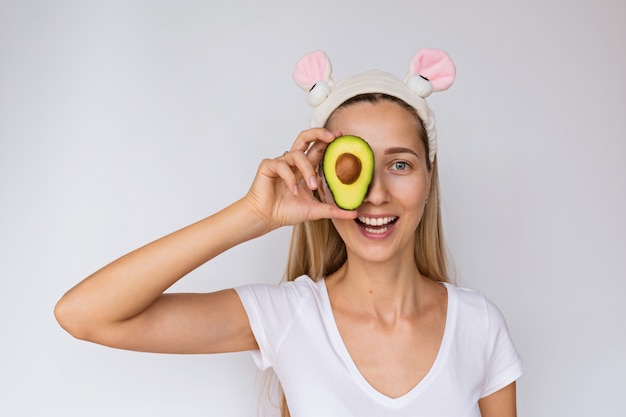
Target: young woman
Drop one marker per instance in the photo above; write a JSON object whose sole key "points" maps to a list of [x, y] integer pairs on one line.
{"points": [[367, 323]]}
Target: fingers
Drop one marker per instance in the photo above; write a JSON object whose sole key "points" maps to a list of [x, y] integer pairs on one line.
{"points": [[313, 143], [329, 211], [284, 171], [320, 209], [311, 136], [303, 165], [299, 164], [307, 152]]}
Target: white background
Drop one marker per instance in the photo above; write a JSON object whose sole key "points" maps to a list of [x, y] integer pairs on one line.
{"points": [[121, 121]]}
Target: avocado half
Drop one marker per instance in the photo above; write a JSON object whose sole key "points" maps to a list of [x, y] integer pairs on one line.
{"points": [[348, 169]]}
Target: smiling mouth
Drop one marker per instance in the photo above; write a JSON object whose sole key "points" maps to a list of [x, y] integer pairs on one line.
{"points": [[376, 225]]}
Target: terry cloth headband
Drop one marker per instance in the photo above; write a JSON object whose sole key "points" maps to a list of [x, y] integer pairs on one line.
{"points": [[430, 70]]}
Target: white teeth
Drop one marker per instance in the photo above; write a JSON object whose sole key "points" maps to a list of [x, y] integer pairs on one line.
{"points": [[376, 231], [379, 221]]}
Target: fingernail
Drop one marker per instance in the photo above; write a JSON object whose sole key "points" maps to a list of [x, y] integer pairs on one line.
{"points": [[295, 190], [313, 182]]}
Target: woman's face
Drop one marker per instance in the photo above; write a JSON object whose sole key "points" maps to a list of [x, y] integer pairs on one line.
{"points": [[393, 207]]}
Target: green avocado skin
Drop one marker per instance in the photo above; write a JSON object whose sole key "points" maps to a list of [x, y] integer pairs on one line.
{"points": [[348, 196]]}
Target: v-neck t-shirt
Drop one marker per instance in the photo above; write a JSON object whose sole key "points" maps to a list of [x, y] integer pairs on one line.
{"points": [[298, 337]]}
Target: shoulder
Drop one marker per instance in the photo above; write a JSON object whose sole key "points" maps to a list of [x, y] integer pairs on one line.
{"points": [[301, 285], [290, 293], [481, 322], [476, 310], [275, 310], [470, 299]]}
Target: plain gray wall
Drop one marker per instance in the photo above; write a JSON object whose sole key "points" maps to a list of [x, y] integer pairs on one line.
{"points": [[121, 121]]}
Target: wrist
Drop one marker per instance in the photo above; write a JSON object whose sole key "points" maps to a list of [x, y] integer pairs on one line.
{"points": [[250, 219]]}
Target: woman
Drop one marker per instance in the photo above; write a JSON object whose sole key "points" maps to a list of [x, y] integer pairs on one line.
{"points": [[367, 324]]}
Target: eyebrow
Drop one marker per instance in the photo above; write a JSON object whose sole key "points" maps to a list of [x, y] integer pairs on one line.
{"points": [[391, 151]]}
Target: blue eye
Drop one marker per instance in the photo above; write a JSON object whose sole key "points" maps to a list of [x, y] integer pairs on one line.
{"points": [[400, 165]]}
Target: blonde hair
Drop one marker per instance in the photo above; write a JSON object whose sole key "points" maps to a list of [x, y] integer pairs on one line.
{"points": [[317, 250]]}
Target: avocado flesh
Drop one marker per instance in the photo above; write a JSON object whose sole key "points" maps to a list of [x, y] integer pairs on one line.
{"points": [[348, 169]]}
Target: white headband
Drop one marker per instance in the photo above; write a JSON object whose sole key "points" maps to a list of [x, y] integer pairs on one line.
{"points": [[430, 70]]}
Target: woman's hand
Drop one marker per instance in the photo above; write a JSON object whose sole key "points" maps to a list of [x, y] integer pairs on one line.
{"points": [[282, 191]]}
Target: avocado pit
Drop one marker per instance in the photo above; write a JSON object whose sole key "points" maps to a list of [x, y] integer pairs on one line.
{"points": [[348, 168]]}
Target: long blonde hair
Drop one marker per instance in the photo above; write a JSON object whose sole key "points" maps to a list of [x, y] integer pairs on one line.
{"points": [[317, 250]]}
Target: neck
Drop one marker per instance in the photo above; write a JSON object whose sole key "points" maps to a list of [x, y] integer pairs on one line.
{"points": [[389, 288]]}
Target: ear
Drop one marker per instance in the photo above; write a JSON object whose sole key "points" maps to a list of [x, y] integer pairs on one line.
{"points": [[313, 75], [430, 70], [312, 68]]}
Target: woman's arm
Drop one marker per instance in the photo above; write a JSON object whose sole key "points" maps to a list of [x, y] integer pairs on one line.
{"points": [[123, 305], [501, 403]]}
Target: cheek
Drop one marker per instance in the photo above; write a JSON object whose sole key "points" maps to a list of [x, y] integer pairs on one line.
{"points": [[344, 228], [410, 190]]}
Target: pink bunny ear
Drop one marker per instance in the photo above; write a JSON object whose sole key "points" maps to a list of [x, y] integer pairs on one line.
{"points": [[311, 69], [434, 65]]}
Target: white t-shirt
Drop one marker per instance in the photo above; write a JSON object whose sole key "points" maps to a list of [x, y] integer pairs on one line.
{"points": [[297, 336]]}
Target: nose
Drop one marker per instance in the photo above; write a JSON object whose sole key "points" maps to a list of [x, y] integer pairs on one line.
{"points": [[377, 193]]}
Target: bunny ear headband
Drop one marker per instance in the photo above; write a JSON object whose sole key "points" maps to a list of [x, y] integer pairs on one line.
{"points": [[430, 70]]}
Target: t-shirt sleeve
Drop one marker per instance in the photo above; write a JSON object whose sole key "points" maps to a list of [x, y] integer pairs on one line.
{"points": [[271, 310], [504, 363]]}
